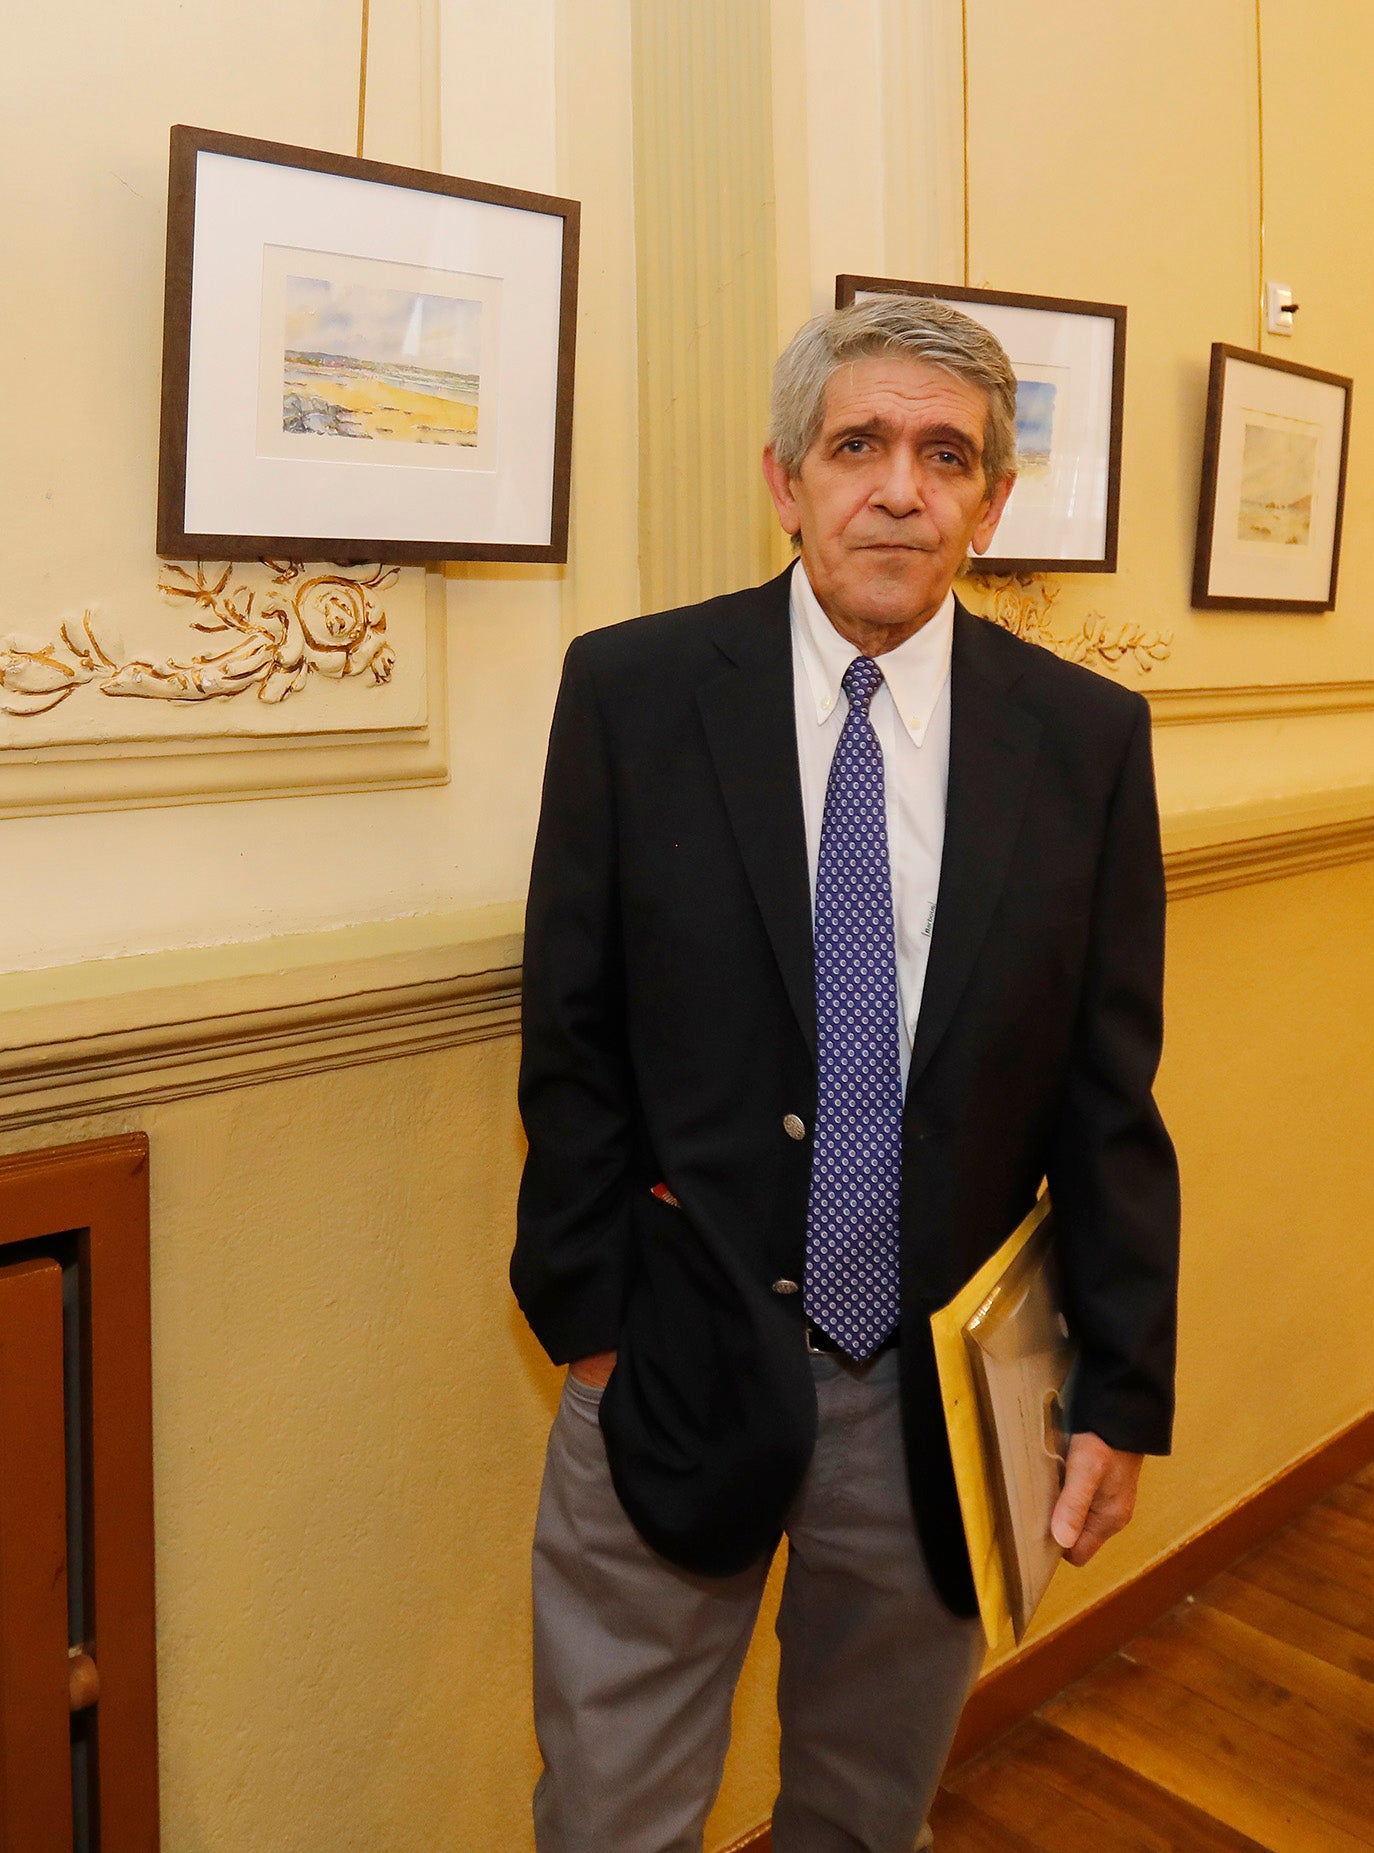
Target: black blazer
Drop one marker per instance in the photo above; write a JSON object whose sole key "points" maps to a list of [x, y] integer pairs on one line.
{"points": [[669, 1026]]}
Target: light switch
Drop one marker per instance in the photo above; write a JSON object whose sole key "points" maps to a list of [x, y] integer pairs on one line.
{"points": [[1279, 308]]}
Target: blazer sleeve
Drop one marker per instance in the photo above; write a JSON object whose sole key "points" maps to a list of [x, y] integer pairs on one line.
{"points": [[572, 1226], [1112, 1173]]}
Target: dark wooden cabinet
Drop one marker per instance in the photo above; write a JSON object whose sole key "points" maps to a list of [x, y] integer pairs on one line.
{"points": [[35, 1783], [78, 1699]]}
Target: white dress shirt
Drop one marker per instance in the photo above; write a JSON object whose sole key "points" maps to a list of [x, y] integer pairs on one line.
{"points": [[910, 715]]}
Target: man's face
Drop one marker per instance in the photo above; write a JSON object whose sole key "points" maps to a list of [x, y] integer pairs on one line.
{"points": [[891, 495]]}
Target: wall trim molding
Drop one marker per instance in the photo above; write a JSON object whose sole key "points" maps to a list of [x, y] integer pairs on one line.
{"points": [[139, 775], [267, 1010], [50, 781], [1019, 1686], [127, 1069], [1237, 845], [122, 1034], [1257, 701], [435, 986]]}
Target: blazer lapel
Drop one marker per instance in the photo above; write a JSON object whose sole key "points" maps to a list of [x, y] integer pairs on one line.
{"points": [[992, 750], [751, 729]]}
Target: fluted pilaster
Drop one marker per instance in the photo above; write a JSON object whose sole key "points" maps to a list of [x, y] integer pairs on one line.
{"points": [[705, 266]]}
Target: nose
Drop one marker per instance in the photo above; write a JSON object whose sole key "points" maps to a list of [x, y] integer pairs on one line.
{"points": [[902, 489]]}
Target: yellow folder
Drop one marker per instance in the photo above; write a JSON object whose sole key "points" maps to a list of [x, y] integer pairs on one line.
{"points": [[1003, 1495]]}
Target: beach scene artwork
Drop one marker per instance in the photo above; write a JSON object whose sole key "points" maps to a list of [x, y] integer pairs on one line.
{"points": [[363, 361], [1035, 401], [1278, 477], [1043, 400]]}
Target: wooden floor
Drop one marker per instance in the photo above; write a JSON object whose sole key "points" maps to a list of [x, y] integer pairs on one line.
{"points": [[1243, 1720]]}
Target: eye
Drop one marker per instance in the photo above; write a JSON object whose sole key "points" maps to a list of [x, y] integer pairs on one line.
{"points": [[853, 447]]}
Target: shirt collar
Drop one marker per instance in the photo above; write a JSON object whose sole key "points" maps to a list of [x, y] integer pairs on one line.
{"points": [[915, 672]]}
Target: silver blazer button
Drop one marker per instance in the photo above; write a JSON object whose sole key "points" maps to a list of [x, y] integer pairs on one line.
{"points": [[784, 1286], [793, 1127]]}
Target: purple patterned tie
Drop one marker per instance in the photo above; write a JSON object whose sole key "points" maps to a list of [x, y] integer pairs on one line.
{"points": [[856, 1168]]}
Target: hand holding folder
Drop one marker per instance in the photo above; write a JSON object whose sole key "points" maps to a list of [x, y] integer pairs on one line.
{"points": [[1005, 1360]]}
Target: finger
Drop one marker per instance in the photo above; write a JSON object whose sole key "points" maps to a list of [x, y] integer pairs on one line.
{"points": [[1109, 1513], [1096, 1530], [1083, 1470], [1074, 1503]]}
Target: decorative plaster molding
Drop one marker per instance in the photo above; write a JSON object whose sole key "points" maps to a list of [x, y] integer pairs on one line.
{"points": [[131, 1068], [318, 624], [1258, 702], [1238, 847], [1022, 603], [68, 1061], [323, 626]]}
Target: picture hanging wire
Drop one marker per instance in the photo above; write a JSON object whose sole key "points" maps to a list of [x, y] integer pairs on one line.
{"points": [[1259, 136], [362, 79], [963, 28]]}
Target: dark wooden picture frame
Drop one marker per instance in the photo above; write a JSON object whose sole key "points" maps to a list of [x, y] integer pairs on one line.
{"points": [[849, 288], [175, 541], [1219, 433]]}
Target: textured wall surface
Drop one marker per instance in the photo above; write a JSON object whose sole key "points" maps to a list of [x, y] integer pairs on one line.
{"points": [[1114, 154], [348, 1425]]}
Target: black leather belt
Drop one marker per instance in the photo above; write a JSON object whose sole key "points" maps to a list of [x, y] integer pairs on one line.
{"points": [[819, 1341]]}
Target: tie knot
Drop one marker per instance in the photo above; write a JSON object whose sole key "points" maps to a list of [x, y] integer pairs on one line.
{"points": [[861, 681]]}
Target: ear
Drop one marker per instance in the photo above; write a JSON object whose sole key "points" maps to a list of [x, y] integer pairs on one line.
{"points": [[780, 488], [991, 515]]}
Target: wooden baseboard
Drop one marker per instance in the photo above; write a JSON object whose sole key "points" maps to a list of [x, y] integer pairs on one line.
{"points": [[1019, 1687], [1013, 1691]]}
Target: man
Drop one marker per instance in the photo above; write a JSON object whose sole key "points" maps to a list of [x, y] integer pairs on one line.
{"points": [[845, 931]]}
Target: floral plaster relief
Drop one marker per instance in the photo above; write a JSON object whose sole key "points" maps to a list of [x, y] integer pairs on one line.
{"points": [[1023, 603], [272, 649]]}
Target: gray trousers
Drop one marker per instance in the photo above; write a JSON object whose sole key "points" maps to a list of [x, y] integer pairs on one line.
{"points": [[635, 1660]]}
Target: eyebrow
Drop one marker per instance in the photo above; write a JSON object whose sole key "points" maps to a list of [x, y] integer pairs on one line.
{"points": [[955, 434], [937, 434]]}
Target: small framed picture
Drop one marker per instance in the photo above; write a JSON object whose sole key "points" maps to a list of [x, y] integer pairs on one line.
{"points": [[361, 362], [1273, 484], [1070, 363]]}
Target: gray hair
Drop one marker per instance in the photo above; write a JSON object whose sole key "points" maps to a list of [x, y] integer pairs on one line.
{"points": [[918, 326]]}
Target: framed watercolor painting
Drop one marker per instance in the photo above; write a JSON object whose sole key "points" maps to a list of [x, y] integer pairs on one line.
{"points": [[1273, 484], [361, 362], [1070, 362]]}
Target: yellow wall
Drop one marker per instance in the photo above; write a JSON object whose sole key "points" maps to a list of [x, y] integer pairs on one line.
{"points": [[1114, 155], [349, 1418], [347, 1422], [478, 90]]}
